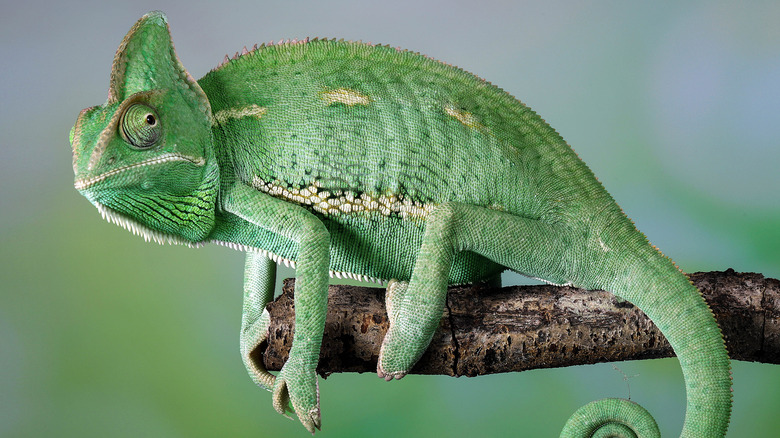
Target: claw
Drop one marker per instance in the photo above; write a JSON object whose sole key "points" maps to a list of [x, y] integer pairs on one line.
{"points": [[382, 374], [290, 395], [281, 399], [389, 376], [312, 420]]}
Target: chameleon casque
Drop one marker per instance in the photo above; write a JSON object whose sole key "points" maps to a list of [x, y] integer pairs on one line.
{"points": [[372, 162]]}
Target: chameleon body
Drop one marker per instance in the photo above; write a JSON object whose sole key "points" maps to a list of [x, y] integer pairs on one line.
{"points": [[371, 162]]}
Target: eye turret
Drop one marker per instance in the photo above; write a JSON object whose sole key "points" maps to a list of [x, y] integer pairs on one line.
{"points": [[140, 126]]}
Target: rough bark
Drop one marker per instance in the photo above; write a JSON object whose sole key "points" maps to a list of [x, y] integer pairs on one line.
{"points": [[487, 330]]}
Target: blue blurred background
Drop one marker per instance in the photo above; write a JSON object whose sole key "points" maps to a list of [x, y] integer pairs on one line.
{"points": [[674, 105]]}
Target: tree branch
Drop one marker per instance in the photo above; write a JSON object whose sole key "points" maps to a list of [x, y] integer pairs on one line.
{"points": [[488, 330]]}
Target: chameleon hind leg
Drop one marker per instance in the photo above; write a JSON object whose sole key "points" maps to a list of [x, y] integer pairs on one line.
{"points": [[415, 309], [396, 290], [559, 254], [259, 283]]}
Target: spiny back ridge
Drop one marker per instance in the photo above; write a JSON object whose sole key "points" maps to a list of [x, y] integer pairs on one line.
{"points": [[294, 41], [290, 42]]}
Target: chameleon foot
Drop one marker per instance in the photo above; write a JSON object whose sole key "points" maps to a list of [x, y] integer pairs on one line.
{"points": [[397, 354], [394, 362], [251, 337], [394, 297], [299, 388], [389, 376]]}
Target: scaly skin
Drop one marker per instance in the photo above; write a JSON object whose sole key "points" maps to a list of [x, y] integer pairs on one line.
{"points": [[372, 163]]}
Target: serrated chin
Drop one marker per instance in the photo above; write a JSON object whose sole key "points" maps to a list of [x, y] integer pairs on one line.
{"points": [[83, 183], [139, 229]]}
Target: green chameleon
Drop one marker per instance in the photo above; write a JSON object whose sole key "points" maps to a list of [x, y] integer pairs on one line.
{"points": [[374, 163]]}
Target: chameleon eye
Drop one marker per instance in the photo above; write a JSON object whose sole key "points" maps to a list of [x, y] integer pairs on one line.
{"points": [[140, 126]]}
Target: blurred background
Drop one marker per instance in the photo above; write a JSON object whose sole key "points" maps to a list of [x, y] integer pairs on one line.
{"points": [[674, 106]]}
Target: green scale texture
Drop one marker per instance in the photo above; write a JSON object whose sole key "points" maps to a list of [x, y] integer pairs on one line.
{"points": [[374, 163], [402, 142]]}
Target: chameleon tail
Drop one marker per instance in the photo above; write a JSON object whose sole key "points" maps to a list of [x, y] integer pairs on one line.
{"points": [[598, 418], [653, 283]]}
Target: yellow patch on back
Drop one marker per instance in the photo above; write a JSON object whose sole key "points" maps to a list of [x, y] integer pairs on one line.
{"points": [[345, 96], [222, 116], [464, 117]]}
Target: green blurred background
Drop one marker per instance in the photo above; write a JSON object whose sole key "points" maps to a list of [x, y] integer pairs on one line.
{"points": [[675, 107]]}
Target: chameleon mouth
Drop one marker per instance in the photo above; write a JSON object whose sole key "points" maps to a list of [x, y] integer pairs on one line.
{"points": [[83, 183]]}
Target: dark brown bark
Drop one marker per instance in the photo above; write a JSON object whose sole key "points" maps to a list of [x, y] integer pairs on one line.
{"points": [[486, 330]]}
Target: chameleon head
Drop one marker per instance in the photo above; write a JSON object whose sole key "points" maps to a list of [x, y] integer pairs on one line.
{"points": [[145, 158]]}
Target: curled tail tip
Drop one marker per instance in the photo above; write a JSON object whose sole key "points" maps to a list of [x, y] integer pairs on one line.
{"points": [[611, 417]]}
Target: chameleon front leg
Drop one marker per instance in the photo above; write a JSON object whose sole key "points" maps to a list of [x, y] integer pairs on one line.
{"points": [[415, 308], [259, 283], [296, 383]]}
